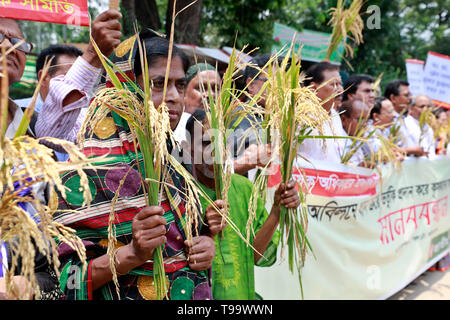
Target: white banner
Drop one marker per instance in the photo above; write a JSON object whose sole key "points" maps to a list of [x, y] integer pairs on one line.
{"points": [[437, 77], [371, 245], [414, 73]]}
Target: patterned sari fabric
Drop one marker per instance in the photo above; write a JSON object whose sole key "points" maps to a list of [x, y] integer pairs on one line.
{"points": [[124, 163]]}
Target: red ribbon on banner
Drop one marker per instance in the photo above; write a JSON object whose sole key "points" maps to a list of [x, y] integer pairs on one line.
{"points": [[328, 183], [73, 12]]}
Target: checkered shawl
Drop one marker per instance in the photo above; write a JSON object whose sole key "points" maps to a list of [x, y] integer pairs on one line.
{"points": [[91, 223]]}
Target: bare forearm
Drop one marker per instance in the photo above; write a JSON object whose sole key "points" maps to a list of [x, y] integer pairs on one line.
{"points": [[265, 234], [101, 271], [20, 282], [241, 166]]}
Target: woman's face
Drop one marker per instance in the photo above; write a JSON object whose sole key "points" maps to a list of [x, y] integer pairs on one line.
{"points": [[198, 88]]}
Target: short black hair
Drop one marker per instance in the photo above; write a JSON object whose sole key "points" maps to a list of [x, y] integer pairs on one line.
{"points": [[260, 61], [377, 106], [199, 115], [54, 51], [158, 47], [315, 72], [352, 83], [393, 87]]}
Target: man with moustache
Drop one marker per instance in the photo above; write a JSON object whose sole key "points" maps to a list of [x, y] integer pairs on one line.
{"points": [[324, 77]]}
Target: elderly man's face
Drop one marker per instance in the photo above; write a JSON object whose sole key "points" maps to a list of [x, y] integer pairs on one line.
{"points": [[386, 116], [422, 103], [331, 88], [202, 152], [16, 60], [198, 88]]}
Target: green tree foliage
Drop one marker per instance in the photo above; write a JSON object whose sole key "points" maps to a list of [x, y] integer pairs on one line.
{"points": [[407, 28], [247, 22], [383, 50], [426, 27]]}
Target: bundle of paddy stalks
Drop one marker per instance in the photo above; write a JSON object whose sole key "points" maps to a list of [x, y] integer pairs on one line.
{"points": [[388, 151], [224, 112], [427, 118], [26, 222], [362, 134], [346, 23], [293, 112]]}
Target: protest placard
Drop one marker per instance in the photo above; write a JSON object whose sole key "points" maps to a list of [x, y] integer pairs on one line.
{"points": [[437, 77], [414, 72]]}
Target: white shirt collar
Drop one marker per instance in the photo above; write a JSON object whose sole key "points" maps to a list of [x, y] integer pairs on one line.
{"points": [[14, 125]]}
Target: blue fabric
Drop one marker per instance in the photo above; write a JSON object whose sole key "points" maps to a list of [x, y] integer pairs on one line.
{"points": [[3, 259], [24, 103]]}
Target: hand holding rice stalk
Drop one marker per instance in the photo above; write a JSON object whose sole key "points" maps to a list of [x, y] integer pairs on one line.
{"points": [[292, 112], [345, 22], [223, 116], [26, 223]]}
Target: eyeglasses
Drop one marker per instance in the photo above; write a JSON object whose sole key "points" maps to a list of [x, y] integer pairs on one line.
{"points": [[24, 46]]}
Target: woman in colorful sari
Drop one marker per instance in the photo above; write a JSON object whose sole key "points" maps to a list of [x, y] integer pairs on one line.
{"points": [[139, 229]]}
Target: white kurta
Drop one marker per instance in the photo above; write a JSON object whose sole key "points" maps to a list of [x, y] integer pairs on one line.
{"points": [[416, 136], [330, 149]]}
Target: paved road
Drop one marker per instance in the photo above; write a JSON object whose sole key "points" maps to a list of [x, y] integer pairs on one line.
{"points": [[431, 285]]}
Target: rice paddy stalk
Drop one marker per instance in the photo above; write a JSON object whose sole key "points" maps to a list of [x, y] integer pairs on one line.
{"points": [[346, 23], [25, 222], [294, 111]]}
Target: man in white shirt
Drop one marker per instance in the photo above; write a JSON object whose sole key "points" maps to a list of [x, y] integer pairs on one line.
{"points": [[382, 117], [360, 86], [325, 78], [354, 116], [398, 92], [415, 134]]}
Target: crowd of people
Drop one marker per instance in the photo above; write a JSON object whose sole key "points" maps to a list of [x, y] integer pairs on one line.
{"points": [[216, 263]]}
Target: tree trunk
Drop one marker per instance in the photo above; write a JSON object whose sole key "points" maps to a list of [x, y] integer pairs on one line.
{"points": [[187, 23], [128, 8], [147, 14], [144, 12]]}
